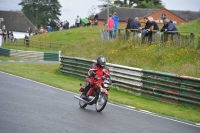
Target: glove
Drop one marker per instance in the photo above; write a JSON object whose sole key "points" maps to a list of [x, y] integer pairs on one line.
{"points": [[103, 77], [93, 73], [96, 77]]}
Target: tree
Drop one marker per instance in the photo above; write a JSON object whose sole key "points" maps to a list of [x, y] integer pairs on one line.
{"points": [[139, 3], [91, 12], [149, 4], [41, 12]]}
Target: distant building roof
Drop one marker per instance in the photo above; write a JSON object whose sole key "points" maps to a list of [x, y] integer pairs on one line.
{"points": [[124, 12], [15, 21], [187, 15]]}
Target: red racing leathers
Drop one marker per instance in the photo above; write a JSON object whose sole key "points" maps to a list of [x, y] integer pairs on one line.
{"points": [[95, 73]]}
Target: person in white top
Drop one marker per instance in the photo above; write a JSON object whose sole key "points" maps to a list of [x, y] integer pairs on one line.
{"points": [[78, 21]]}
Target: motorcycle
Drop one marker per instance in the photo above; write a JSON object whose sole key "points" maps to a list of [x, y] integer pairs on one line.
{"points": [[97, 94]]}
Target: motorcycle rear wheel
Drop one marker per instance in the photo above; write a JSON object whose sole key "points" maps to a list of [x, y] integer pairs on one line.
{"points": [[101, 103], [82, 104]]}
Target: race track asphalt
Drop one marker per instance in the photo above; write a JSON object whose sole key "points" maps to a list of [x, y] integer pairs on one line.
{"points": [[31, 107]]}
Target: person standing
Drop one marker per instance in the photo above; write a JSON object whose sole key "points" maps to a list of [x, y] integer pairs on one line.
{"points": [[26, 40], [35, 32], [67, 24], [116, 22], [4, 35], [110, 25], [78, 21], [96, 19], [48, 29], [29, 31]]}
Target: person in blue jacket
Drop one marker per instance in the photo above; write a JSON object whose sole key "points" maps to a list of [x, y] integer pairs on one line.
{"points": [[169, 28], [116, 21]]}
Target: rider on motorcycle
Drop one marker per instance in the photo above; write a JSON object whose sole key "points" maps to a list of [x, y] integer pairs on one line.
{"points": [[97, 71]]}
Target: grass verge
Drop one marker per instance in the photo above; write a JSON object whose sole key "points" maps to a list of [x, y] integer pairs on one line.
{"points": [[50, 74], [4, 58]]}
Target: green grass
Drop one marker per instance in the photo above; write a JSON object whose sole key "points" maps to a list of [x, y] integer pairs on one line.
{"points": [[190, 27], [85, 42], [4, 58], [50, 74]]}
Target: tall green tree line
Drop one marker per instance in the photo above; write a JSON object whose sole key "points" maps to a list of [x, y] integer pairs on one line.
{"points": [[41, 12], [138, 3]]}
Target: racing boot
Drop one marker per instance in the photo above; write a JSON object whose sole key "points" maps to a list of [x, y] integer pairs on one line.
{"points": [[87, 87]]}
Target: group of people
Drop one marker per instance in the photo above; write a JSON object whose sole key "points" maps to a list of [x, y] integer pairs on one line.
{"points": [[78, 21], [134, 25], [62, 25], [7, 35], [35, 31], [112, 25], [150, 27]]}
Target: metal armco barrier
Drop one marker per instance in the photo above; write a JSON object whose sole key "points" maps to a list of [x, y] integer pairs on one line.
{"points": [[4, 52], [165, 87], [30, 54], [171, 88]]}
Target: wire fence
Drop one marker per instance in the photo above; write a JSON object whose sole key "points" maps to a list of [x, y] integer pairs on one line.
{"points": [[177, 38], [35, 44]]}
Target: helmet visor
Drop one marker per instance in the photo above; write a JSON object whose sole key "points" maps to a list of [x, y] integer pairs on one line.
{"points": [[102, 63]]}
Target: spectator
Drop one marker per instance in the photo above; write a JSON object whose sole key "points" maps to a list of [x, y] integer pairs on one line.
{"points": [[64, 25], [44, 31], [8, 34], [139, 25], [12, 36], [150, 26], [48, 29], [168, 26], [131, 24], [61, 25], [96, 19], [137, 22], [26, 40], [4, 35], [41, 30], [67, 24], [35, 32], [29, 31], [95, 22], [116, 22], [110, 25], [78, 21], [58, 25]]}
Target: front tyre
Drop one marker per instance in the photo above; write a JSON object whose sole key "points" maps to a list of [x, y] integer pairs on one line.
{"points": [[101, 103]]}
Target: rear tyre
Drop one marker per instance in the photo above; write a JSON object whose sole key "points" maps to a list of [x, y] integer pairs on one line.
{"points": [[82, 104], [101, 103]]}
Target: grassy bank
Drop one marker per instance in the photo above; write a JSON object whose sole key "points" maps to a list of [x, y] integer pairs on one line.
{"points": [[85, 42], [50, 74]]}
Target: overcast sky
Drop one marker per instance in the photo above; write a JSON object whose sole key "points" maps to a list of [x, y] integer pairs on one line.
{"points": [[71, 8]]}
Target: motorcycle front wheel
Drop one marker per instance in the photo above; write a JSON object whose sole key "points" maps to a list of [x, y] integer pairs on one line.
{"points": [[101, 103]]}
